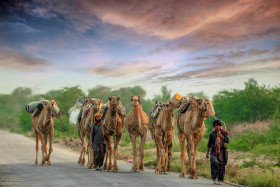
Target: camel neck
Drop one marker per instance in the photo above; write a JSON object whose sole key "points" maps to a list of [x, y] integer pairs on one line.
{"points": [[136, 110]]}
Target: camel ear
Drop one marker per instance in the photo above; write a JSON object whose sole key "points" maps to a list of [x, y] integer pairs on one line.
{"points": [[139, 96], [109, 98], [118, 98], [156, 102], [170, 102], [131, 96]]}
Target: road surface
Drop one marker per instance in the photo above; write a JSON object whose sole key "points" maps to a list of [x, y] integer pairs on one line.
{"points": [[17, 155]]}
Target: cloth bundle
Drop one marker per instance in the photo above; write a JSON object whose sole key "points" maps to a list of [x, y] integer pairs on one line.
{"points": [[219, 142], [74, 111], [30, 107]]}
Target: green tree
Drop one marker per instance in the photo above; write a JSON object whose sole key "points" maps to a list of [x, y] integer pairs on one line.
{"points": [[164, 96]]}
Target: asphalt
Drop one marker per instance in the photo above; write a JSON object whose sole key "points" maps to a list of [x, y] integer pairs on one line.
{"points": [[17, 155]]}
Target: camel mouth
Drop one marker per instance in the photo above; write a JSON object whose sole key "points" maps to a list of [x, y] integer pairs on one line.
{"points": [[58, 115]]}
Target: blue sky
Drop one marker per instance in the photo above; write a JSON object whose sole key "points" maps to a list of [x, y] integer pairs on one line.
{"points": [[189, 46]]}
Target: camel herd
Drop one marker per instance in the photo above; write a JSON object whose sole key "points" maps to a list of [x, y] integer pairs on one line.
{"points": [[192, 111]]}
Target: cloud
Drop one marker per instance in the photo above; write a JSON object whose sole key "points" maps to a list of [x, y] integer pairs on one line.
{"points": [[17, 27], [222, 70], [121, 68], [19, 62], [174, 19]]}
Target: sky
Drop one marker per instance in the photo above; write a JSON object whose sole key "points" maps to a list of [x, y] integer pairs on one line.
{"points": [[190, 46]]}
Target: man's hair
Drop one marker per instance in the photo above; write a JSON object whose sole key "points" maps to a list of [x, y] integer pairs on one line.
{"points": [[217, 122]]}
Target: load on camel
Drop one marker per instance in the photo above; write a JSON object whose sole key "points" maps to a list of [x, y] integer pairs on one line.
{"points": [[163, 128], [113, 114], [89, 110], [190, 124], [43, 125], [75, 111], [136, 123]]}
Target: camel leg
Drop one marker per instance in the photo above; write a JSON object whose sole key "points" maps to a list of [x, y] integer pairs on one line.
{"points": [[90, 151], [80, 158], [141, 150], [195, 151], [107, 139], [191, 155], [50, 148], [36, 147], [135, 166], [169, 155], [161, 154], [182, 146], [42, 149], [84, 152], [116, 143], [166, 148]]}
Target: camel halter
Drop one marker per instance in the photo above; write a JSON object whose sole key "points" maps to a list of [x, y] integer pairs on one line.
{"points": [[114, 120]]}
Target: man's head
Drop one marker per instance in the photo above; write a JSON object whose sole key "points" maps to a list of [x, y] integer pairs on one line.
{"points": [[217, 124], [98, 118]]}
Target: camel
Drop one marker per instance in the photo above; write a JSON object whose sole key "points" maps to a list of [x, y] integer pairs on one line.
{"points": [[43, 126], [163, 134], [136, 123], [190, 125], [89, 109], [112, 126]]}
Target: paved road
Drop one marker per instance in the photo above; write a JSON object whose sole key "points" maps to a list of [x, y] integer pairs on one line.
{"points": [[17, 155]]}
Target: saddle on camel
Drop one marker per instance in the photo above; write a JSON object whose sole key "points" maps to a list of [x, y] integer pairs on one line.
{"points": [[136, 123], [43, 113], [112, 126]]}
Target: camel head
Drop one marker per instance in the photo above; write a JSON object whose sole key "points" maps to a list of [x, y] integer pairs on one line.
{"points": [[175, 101], [113, 104], [135, 101], [205, 108], [167, 109], [51, 106], [96, 105]]}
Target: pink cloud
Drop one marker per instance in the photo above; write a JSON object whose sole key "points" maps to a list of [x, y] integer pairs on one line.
{"points": [[19, 62]]}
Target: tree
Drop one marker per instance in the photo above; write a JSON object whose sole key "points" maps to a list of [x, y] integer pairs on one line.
{"points": [[165, 95]]}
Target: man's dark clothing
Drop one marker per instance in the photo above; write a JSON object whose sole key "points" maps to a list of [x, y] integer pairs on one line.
{"points": [[218, 161], [98, 144]]}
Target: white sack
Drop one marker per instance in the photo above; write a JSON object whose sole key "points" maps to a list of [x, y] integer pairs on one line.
{"points": [[73, 119]]}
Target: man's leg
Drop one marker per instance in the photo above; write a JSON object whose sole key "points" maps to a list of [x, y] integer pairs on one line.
{"points": [[214, 171], [221, 172], [102, 153]]}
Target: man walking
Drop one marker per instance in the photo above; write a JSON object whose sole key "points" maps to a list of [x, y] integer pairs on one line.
{"points": [[98, 143], [219, 154]]}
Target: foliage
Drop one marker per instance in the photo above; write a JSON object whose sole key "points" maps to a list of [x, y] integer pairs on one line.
{"points": [[255, 142], [251, 104]]}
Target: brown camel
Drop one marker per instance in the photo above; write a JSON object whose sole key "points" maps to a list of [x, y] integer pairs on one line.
{"points": [[190, 125], [112, 126], [136, 123], [89, 109], [164, 130], [43, 124]]}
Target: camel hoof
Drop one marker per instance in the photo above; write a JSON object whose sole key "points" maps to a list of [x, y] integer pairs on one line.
{"points": [[49, 163], [190, 177], [36, 163]]}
